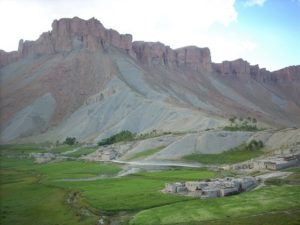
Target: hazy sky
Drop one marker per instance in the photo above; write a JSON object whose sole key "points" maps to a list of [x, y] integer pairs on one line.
{"points": [[264, 32]]}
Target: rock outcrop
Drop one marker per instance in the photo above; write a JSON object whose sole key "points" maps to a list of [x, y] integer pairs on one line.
{"points": [[75, 34], [234, 68], [156, 53], [240, 69], [288, 74]]}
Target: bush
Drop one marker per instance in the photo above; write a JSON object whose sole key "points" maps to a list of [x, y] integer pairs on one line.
{"points": [[124, 135], [248, 124], [70, 141], [253, 145]]}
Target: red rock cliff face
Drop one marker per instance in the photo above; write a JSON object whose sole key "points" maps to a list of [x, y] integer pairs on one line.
{"points": [[288, 74], [69, 34], [285, 75], [240, 69], [75, 34], [232, 68], [72, 34], [155, 53]]}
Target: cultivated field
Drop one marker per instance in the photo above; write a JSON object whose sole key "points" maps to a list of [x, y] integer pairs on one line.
{"points": [[79, 192]]}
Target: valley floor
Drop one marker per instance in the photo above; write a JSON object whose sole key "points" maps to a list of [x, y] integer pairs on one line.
{"points": [[79, 192]]}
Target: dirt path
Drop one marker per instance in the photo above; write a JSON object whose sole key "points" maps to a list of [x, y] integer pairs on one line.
{"points": [[162, 163], [277, 174], [71, 151]]}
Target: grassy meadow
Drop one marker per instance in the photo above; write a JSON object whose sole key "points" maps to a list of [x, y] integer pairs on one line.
{"points": [[271, 198], [235, 155], [63, 193]]}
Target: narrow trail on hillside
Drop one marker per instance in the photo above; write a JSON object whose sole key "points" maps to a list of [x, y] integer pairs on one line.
{"points": [[162, 163]]}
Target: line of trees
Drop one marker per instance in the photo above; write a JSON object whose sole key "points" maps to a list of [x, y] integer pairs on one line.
{"points": [[248, 124], [124, 135]]}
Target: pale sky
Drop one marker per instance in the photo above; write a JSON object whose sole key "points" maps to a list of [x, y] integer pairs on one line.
{"points": [[264, 32]]}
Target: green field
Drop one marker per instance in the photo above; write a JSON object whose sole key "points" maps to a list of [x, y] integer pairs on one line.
{"points": [[59, 170], [81, 152], [25, 201], [43, 194], [135, 192], [110, 195], [22, 150], [146, 153], [25, 150], [28, 197], [179, 174], [229, 157], [272, 198]]}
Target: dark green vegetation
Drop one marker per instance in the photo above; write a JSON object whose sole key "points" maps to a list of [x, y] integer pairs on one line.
{"points": [[146, 153], [124, 135], [129, 136], [25, 201], [152, 134], [70, 141], [28, 197], [241, 124], [238, 154], [254, 145]]}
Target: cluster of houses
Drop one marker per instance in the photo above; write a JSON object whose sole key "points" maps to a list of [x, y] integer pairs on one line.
{"points": [[213, 188], [275, 162]]}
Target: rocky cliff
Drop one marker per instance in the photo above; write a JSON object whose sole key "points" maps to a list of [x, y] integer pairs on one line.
{"points": [[67, 35], [75, 34], [82, 79], [191, 57]]}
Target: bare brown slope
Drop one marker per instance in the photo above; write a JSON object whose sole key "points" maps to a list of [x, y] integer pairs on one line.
{"points": [[274, 94], [77, 58]]}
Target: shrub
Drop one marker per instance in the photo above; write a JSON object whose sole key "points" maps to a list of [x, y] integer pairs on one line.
{"points": [[70, 141], [124, 135], [248, 124], [253, 145]]}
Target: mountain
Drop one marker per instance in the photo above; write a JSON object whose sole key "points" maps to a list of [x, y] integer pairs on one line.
{"points": [[83, 80]]}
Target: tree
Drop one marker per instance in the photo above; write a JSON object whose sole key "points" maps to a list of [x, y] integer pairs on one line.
{"points": [[70, 141], [254, 144]]}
